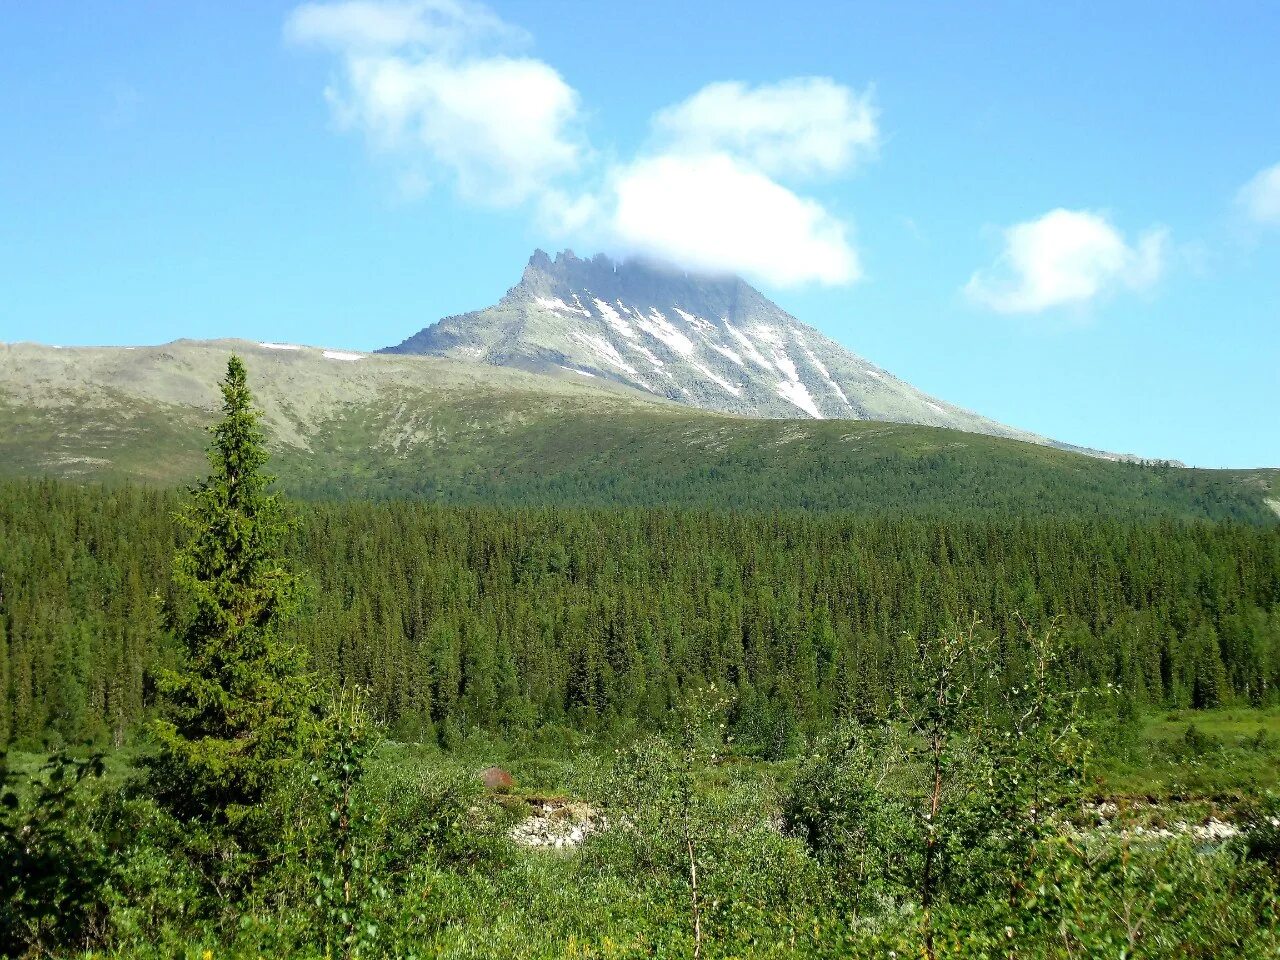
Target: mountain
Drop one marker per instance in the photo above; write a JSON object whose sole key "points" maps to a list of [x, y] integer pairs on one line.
{"points": [[356, 425], [715, 343]]}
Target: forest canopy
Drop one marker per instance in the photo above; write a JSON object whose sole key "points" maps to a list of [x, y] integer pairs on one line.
{"points": [[510, 617]]}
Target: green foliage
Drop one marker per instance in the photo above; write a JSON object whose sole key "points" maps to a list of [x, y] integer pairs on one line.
{"points": [[52, 868], [346, 880], [660, 806], [1126, 898], [509, 619], [949, 798], [841, 805], [1260, 839], [695, 835], [932, 812], [447, 883], [238, 707]]}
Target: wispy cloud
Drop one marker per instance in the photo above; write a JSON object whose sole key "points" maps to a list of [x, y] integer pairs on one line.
{"points": [[1259, 199], [800, 127], [1066, 257], [371, 26], [434, 85]]}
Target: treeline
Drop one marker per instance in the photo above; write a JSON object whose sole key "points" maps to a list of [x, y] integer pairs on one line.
{"points": [[462, 616]]}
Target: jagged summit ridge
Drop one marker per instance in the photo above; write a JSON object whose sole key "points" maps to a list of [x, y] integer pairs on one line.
{"points": [[707, 341]]}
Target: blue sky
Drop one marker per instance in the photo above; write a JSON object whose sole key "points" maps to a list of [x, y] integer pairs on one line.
{"points": [[1064, 216]]}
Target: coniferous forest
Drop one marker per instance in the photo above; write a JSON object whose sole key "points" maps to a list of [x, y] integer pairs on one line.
{"points": [[454, 617], [239, 725]]}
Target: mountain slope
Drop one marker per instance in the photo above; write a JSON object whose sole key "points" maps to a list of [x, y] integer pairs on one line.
{"points": [[140, 411], [714, 343], [371, 426]]}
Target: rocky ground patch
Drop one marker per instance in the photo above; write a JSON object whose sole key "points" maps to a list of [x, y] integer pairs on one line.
{"points": [[557, 824]]}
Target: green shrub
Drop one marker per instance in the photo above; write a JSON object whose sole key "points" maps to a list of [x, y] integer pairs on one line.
{"points": [[53, 868]]}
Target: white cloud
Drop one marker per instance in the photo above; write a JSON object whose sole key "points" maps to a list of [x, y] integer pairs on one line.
{"points": [[803, 126], [714, 212], [711, 195], [430, 84], [1260, 197], [499, 124], [1066, 257], [416, 82]]}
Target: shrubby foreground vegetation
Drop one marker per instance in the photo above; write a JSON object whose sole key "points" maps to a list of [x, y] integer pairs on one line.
{"points": [[777, 767]]}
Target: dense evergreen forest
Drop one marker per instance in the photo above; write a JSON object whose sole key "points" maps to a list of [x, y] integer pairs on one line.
{"points": [[467, 616]]}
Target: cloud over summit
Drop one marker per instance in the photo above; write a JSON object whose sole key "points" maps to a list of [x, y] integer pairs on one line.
{"points": [[434, 86]]}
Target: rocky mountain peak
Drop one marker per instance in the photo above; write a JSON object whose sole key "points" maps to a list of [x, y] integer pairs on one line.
{"points": [[707, 341]]}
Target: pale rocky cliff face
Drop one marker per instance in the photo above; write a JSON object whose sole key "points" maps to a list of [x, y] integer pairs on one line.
{"points": [[704, 341]]}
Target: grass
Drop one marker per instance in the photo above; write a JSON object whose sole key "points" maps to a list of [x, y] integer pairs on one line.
{"points": [[1224, 756], [1232, 755]]}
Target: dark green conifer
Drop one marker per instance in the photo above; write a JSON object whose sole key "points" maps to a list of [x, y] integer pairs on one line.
{"points": [[239, 710]]}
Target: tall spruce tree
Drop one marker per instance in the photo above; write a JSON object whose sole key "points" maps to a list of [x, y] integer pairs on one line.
{"points": [[239, 710]]}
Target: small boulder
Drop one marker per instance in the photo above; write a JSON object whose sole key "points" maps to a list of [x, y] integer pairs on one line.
{"points": [[497, 779]]}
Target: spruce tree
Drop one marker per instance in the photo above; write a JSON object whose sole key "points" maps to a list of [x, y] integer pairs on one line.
{"points": [[239, 710]]}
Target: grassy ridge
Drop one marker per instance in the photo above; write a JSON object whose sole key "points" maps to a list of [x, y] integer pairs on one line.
{"points": [[524, 447], [406, 426], [637, 457]]}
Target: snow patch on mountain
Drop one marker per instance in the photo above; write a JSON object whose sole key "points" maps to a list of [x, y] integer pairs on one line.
{"points": [[786, 365], [648, 355], [556, 305], [694, 320], [614, 319], [659, 327], [813, 358], [748, 347], [736, 391], [728, 352], [826, 374], [797, 393], [606, 351]]}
